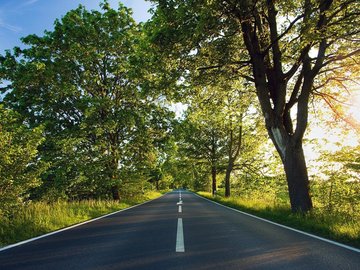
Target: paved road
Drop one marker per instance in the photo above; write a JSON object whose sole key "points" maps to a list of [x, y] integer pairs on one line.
{"points": [[150, 236]]}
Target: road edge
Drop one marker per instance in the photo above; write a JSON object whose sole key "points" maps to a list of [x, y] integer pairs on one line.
{"points": [[284, 226], [74, 226]]}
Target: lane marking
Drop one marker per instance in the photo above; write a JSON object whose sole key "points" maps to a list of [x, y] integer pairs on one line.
{"points": [[180, 247], [180, 200], [74, 226], [180, 209], [286, 227]]}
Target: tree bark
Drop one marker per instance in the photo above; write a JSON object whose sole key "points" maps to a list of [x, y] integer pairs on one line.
{"points": [[227, 178], [115, 193], [233, 156], [297, 179], [292, 155], [213, 176]]}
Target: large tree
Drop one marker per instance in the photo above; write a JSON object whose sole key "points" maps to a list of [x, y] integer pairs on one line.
{"points": [[287, 49], [87, 82]]}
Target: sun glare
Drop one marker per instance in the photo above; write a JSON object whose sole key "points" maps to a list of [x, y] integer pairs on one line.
{"points": [[322, 137], [354, 110]]}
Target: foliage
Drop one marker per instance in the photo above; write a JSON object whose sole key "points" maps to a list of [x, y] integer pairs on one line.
{"points": [[286, 50], [86, 108], [219, 129], [175, 165], [87, 82], [20, 166], [338, 190]]}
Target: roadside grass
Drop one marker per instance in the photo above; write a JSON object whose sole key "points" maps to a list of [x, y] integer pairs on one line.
{"points": [[338, 226], [38, 218]]}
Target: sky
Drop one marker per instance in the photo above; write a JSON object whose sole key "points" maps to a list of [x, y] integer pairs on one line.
{"points": [[19, 18]]}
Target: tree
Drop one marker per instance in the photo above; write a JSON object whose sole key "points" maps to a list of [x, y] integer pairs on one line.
{"points": [[239, 125], [289, 48], [218, 127], [156, 175], [20, 166], [177, 168], [203, 143], [88, 83]]}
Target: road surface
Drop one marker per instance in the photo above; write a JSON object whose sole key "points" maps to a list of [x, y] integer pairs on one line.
{"points": [[178, 233]]}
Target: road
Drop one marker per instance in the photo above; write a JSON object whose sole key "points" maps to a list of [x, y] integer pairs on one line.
{"points": [[174, 233]]}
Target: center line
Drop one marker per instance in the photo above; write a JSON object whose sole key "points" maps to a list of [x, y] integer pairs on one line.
{"points": [[180, 247], [180, 209]]}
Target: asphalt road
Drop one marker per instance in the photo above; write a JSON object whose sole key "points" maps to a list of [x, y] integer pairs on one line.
{"points": [[166, 234]]}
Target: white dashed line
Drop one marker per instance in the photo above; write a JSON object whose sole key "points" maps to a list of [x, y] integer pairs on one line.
{"points": [[180, 247]]}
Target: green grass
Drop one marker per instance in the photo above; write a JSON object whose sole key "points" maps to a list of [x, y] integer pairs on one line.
{"points": [[39, 218], [338, 226]]}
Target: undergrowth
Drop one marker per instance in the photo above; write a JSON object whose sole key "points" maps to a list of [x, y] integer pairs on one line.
{"points": [[37, 218], [336, 225]]}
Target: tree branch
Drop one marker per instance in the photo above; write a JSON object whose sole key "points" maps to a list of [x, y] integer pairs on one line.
{"points": [[279, 37], [341, 57], [242, 63]]}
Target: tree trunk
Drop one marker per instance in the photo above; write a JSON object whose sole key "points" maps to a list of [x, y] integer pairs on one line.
{"points": [[115, 193], [233, 156], [213, 175], [297, 179], [227, 178], [292, 156]]}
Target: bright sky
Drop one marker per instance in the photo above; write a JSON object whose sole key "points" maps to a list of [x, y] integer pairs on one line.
{"points": [[19, 18]]}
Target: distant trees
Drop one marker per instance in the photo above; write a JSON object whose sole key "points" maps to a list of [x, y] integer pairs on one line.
{"points": [[203, 143], [339, 186], [219, 130]]}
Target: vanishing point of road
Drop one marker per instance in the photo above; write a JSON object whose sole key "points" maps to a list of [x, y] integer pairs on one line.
{"points": [[179, 230]]}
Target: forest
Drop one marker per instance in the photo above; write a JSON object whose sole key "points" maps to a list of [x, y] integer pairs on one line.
{"points": [[254, 103]]}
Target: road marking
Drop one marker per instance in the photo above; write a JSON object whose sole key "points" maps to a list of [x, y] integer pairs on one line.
{"points": [[285, 227], [180, 209], [179, 203], [180, 247]]}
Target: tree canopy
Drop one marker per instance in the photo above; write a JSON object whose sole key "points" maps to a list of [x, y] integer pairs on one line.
{"points": [[288, 51], [86, 82], [87, 112], [20, 165]]}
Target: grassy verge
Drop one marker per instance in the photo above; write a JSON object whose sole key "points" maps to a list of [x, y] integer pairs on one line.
{"points": [[336, 226], [39, 217]]}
